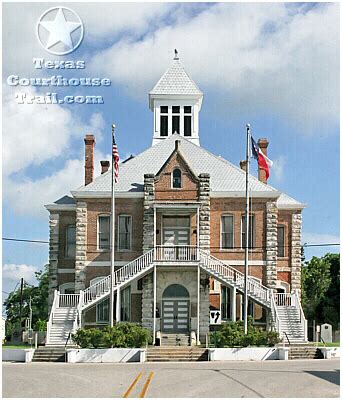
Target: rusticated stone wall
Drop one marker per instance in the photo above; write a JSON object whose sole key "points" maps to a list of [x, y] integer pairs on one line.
{"points": [[296, 251], [148, 220], [271, 243], [53, 255], [204, 212], [81, 246]]}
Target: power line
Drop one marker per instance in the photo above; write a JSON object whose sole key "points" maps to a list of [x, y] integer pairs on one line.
{"points": [[254, 248]]}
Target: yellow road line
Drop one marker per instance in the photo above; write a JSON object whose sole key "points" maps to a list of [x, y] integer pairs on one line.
{"points": [[132, 385], [148, 381]]}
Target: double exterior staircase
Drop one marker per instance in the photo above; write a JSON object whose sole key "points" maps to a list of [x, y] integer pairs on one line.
{"points": [[67, 309]]}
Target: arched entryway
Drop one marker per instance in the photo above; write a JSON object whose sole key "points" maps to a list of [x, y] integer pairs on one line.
{"points": [[175, 309]]}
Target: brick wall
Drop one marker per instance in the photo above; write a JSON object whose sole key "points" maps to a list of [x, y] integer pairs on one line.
{"points": [[163, 184], [133, 207]]}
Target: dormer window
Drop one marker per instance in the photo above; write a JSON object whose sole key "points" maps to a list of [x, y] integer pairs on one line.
{"points": [[164, 118], [175, 119], [187, 120], [177, 178]]}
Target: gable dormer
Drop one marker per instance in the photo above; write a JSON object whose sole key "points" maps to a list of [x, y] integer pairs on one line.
{"points": [[175, 101]]}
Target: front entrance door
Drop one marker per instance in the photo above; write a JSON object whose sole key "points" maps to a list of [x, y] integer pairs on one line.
{"points": [[175, 309], [175, 315]]}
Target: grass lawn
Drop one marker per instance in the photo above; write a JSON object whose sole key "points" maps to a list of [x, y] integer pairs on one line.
{"points": [[16, 346], [321, 344]]}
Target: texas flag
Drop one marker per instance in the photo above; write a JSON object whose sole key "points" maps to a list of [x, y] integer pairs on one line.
{"points": [[263, 162]]}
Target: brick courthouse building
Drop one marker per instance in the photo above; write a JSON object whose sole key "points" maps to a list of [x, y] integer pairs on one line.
{"points": [[179, 223]]}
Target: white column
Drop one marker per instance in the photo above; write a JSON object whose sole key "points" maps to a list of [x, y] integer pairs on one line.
{"points": [[198, 303], [157, 121], [169, 131], [233, 304], [197, 234], [155, 228], [117, 310], [181, 121], [154, 302], [240, 308]]}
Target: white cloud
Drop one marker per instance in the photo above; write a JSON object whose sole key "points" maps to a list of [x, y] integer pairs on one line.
{"points": [[278, 168], [320, 238], [28, 197], [14, 272], [256, 57]]}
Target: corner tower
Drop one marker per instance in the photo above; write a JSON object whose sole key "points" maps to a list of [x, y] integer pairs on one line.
{"points": [[175, 101]]}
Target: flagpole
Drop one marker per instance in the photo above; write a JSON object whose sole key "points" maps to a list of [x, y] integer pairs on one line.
{"points": [[245, 311], [112, 240]]}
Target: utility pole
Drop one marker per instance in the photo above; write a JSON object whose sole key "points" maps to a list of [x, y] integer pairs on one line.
{"points": [[21, 300], [245, 308]]}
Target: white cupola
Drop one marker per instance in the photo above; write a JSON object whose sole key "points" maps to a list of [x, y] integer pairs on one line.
{"points": [[175, 101]]}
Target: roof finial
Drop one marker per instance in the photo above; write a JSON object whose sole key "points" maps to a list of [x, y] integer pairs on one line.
{"points": [[176, 55]]}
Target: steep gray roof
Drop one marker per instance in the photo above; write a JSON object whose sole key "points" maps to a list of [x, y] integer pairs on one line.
{"points": [[224, 176], [176, 81]]}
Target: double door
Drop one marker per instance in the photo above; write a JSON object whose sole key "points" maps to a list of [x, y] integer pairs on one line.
{"points": [[175, 316]]}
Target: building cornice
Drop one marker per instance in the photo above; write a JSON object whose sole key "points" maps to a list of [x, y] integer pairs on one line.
{"points": [[274, 194], [106, 195], [60, 207]]}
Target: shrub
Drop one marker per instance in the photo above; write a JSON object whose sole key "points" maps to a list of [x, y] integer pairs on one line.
{"points": [[232, 335], [123, 334], [40, 325]]}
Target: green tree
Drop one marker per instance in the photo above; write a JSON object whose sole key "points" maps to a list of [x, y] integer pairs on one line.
{"points": [[320, 288], [39, 301], [328, 309]]}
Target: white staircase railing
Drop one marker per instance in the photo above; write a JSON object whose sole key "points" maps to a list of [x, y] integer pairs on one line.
{"points": [[284, 299], [303, 320], [176, 253], [275, 313], [102, 288], [68, 300], [53, 308], [235, 277]]}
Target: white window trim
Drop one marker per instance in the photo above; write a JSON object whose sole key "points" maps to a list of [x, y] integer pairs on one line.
{"points": [[253, 235], [98, 233], [232, 248], [92, 282], [66, 242], [181, 178], [130, 233], [67, 285]]}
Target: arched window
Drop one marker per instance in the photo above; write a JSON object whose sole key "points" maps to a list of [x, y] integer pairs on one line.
{"points": [[175, 290], [177, 178]]}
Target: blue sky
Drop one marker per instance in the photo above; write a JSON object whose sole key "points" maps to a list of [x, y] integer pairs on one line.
{"points": [[275, 66]]}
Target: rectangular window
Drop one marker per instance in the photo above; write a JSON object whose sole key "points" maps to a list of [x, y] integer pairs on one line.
{"points": [[225, 302], [187, 125], [175, 119], [164, 109], [102, 311], [281, 241], [70, 241], [227, 232], [126, 304], [187, 109], [164, 125], [103, 232], [175, 123], [125, 232], [251, 239]]}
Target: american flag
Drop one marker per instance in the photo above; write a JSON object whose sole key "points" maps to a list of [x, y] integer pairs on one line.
{"points": [[116, 159]]}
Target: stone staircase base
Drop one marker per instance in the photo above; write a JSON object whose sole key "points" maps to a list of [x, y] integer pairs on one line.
{"points": [[49, 354], [175, 339], [301, 352], [176, 354]]}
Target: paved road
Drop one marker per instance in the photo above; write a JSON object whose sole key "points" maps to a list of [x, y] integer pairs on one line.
{"points": [[298, 378]]}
